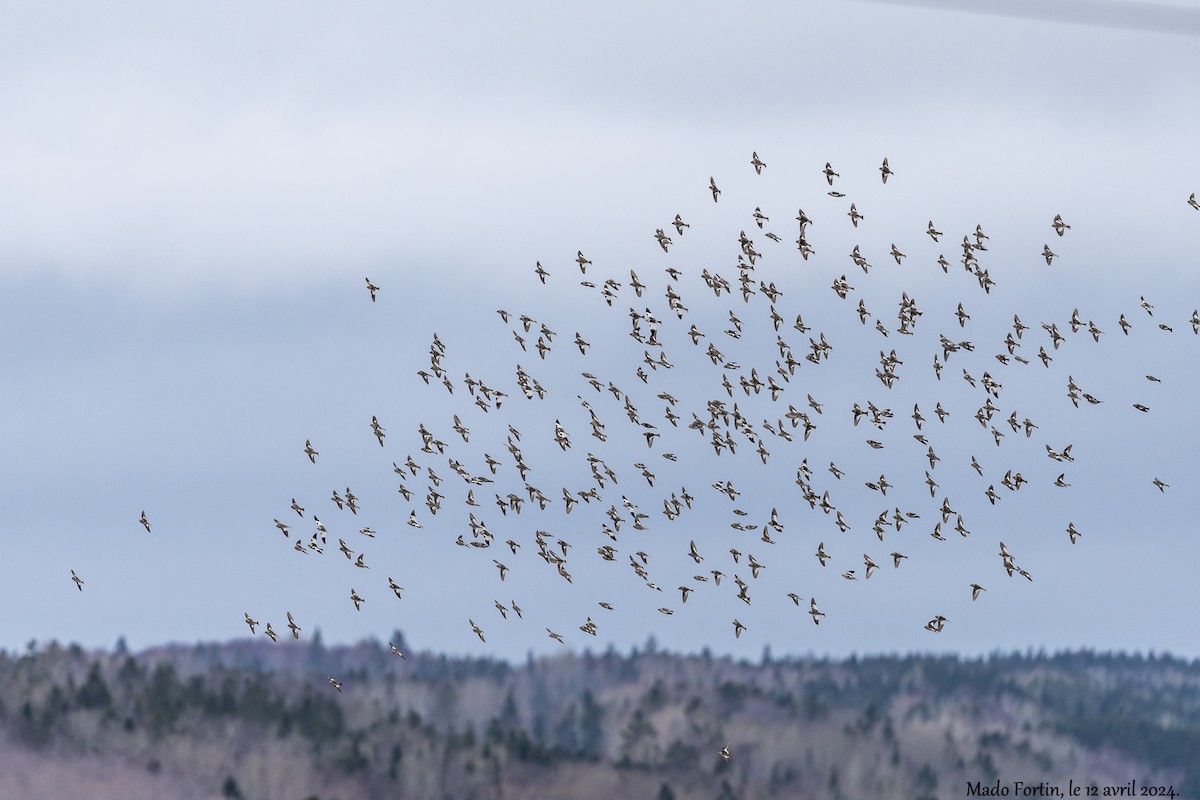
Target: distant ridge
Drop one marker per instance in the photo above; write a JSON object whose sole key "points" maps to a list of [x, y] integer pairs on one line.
{"points": [[254, 720]]}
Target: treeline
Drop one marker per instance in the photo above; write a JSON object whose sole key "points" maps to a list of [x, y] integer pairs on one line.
{"points": [[246, 720]]}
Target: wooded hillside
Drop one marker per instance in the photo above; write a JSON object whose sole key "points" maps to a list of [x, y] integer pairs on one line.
{"points": [[260, 721]]}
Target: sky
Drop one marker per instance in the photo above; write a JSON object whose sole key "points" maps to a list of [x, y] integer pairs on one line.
{"points": [[192, 197]]}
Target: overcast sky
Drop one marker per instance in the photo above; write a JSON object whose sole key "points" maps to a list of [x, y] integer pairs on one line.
{"points": [[192, 196]]}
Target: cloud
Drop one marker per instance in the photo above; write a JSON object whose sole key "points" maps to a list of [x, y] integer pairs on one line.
{"points": [[243, 148]]}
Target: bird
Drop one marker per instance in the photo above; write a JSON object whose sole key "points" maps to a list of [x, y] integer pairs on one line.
{"points": [[250, 622], [477, 630], [293, 626], [962, 316], [738, 627], [1193, 202], [78, 581], [146, 523], [724, 753], [726, 424], [372, 288], [270, 632], [358, 601], [396, 651], [336, 684], [975, 590]]}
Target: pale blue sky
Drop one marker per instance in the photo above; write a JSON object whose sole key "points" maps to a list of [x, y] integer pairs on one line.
{"points": [[192, 199]]}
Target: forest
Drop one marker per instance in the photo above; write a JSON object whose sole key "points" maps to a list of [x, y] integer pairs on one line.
{"points": [[248, 719]]}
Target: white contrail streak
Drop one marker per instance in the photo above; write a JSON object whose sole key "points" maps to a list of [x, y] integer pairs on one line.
{"points": [[1151, 17]]}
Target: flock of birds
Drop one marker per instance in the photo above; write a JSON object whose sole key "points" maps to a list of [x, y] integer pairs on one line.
{"points": [[718, 420]]}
